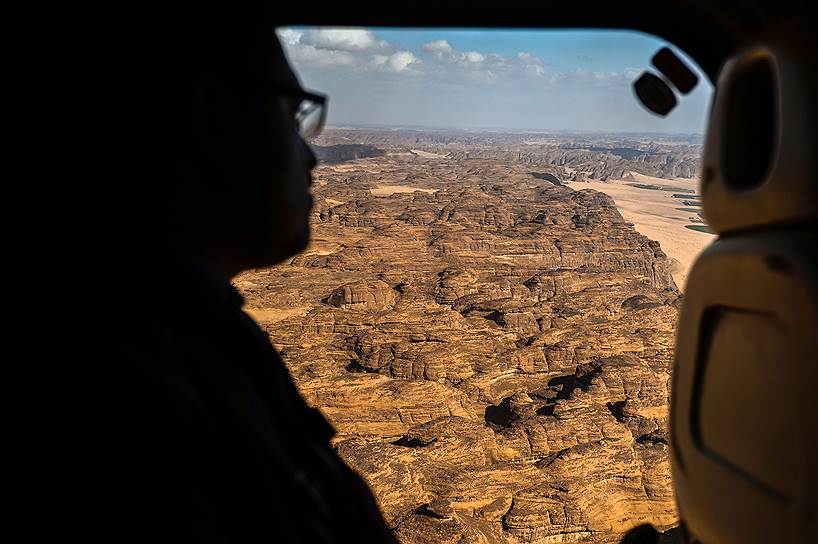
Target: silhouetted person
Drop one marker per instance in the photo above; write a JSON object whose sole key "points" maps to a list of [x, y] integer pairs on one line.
{"points": [[217, 444]]}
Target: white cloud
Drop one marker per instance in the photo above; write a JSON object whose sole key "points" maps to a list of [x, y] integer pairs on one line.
{"points": [[361, 51], [596, 78], [357, 49], [632, 73], [309, 55], [344, 39], [431, 81], [529, 64], [472, 56], [400, 61], [438, 47], [474, 66], [288, 36]]}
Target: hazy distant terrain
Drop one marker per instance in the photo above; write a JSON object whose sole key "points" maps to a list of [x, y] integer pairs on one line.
{"points": [[491, 338], [330, 154], [570, 156]]}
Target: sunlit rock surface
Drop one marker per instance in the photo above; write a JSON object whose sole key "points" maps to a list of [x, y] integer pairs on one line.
{"points": [[494, 352]]}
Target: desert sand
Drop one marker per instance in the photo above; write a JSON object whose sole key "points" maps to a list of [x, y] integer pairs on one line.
{"points": [[654, 213], [387, 190], [276, 315], [427, 154]]}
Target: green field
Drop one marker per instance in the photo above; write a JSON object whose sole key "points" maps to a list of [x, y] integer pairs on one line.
{"points": [[700, 228], [696, 210]]}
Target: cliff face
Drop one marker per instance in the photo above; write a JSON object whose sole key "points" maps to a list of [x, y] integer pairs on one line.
{"points": [[494, 355]]}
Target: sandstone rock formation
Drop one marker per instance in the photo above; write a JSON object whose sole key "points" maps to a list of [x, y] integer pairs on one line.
{"points": [[494, 355]]}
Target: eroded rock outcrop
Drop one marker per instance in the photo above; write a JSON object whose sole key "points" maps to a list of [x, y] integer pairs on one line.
{"points": [[363, 295], [494, 355]]}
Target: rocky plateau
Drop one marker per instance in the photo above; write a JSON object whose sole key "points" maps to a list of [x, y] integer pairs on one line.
{"points": [[492, 347]]}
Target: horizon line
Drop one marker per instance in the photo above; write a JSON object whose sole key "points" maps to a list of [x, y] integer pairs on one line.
{"points": [[505, 129]]}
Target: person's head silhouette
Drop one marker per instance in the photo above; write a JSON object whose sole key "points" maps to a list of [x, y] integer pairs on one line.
{"points": [[227, 120], [246, 200]]}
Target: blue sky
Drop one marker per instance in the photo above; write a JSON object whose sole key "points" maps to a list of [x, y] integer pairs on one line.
{"points": [[546, 80]]}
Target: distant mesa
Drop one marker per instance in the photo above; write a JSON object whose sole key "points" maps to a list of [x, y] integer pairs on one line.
{"points": [[334, 154]]}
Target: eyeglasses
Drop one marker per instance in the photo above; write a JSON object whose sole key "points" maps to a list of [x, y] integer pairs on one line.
{"points": [[311, 112]]}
